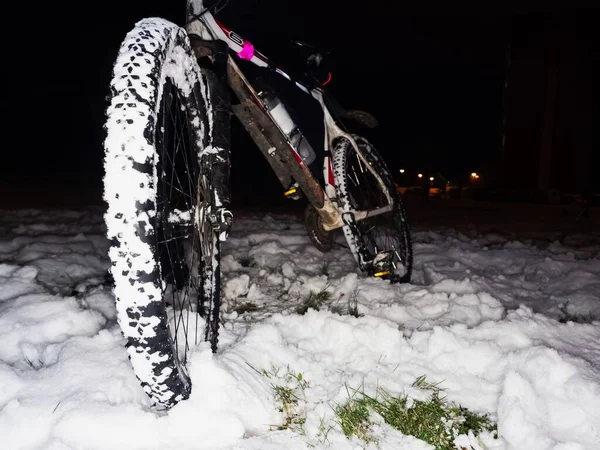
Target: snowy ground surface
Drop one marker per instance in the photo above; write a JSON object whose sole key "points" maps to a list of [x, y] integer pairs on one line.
{"points": [[508, 324]]}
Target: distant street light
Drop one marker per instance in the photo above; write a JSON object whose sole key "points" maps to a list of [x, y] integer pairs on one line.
{"points": [[430, 178], [401, 170], [474, 175], [420, 175]]}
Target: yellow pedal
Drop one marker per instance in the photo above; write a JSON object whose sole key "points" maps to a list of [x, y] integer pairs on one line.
{"points": [[381, 274], [290, 192]]}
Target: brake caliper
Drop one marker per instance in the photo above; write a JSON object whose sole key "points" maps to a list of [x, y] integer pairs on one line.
{"points": [[224, 220]]}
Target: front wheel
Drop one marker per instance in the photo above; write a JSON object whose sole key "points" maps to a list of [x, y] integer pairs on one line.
{"points": [[160, 193], [380, 244]]}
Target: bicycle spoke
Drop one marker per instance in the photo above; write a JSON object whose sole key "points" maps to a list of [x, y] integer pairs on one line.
{"points": [[177, 242]]}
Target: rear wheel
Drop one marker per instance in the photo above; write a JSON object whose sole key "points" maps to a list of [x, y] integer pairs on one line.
{"points": [[159, 190], [381, 244]]}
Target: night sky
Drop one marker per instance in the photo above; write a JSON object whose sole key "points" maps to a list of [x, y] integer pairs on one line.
{"points": [[432, 76]]}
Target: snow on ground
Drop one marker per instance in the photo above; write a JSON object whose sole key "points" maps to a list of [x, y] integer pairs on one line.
{"points": [[509, 325]]}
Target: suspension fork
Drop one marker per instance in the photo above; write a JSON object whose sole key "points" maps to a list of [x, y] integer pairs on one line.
{"points": [[218, 160]]}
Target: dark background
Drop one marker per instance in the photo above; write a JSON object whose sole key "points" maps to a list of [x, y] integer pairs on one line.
{"points": [[433, 75]]}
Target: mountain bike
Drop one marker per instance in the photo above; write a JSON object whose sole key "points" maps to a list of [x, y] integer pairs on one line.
{"points": [[167, 160]]}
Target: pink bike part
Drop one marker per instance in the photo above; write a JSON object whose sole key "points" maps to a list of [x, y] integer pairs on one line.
{"points": [[247, 51]]}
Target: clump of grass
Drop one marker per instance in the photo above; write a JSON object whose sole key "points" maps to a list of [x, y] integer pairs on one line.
{"points": [[245, 307], [435, 420], [288, 389], [354, 418], [353, 304], [324, 268], [246, 260], [323, 432], [32, 365], [313, 301], [351, 308]]}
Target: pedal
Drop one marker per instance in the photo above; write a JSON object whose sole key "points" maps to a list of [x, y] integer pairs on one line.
{"points": [[294, 192], [382, 264]]}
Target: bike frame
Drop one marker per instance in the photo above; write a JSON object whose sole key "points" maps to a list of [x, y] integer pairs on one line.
{"points": [[204, 32]]}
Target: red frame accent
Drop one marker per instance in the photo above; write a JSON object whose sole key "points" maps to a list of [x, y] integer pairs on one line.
{"points": [[330, 173], [223, 27]]}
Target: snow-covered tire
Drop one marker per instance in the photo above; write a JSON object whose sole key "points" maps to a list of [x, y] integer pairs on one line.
{"points": [[155, 70], [364, 237]]}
